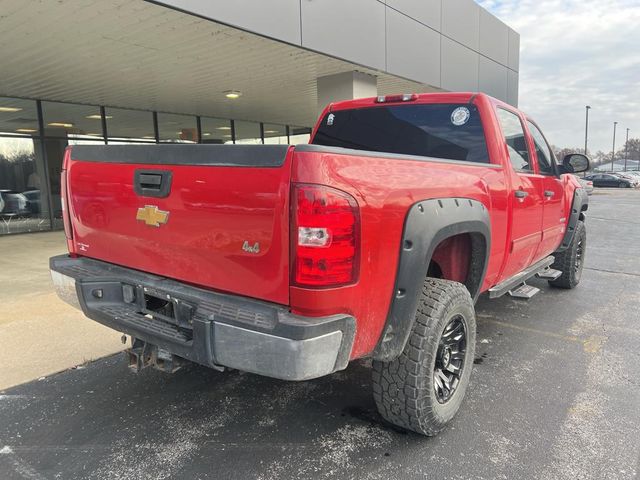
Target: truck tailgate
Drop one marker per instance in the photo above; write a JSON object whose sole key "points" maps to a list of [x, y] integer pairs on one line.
{"points": [[216, 216]]}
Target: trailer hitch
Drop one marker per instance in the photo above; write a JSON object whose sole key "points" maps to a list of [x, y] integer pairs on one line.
{"points": [[143, 354]]}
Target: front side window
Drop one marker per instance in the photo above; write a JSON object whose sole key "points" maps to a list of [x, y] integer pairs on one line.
{"points": [[543, 152], [516, 142], [448, 131]]}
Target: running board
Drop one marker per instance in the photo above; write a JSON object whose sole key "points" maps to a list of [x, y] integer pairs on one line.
{"points": [[518, 280]]}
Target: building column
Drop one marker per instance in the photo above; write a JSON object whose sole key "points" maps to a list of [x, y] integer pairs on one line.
{"points": [[345, 86]]}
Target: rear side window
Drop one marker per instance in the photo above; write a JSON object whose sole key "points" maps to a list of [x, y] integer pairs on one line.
{"points": [[516, 142], [449, 131]]}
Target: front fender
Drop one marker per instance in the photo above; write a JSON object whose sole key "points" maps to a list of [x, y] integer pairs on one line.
{"points": [[579, 204]]}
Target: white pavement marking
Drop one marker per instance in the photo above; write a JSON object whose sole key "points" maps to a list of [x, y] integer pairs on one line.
{"points": [[18, 465]]}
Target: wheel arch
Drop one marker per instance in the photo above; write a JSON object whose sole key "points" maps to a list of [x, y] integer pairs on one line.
{"points": [[427, 224]]}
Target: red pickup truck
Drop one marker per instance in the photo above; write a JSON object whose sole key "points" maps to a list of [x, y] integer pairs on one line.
{"points": [[374, 240]]}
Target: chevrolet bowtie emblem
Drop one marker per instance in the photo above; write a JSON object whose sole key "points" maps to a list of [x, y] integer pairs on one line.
{"points": [[152, 216]]}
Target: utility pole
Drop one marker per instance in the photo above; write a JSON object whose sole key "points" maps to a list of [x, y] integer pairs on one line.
{"points": [[626, 146], [586, 129], [613, 153]]}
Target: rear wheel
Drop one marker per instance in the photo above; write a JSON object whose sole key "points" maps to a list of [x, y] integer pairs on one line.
{"points": [[571, 261], [423, 388]]}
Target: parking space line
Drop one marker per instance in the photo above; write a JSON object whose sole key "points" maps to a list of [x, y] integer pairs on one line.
{"points": [[613, 220], [612, 271], [19, 466], [592, 344]]}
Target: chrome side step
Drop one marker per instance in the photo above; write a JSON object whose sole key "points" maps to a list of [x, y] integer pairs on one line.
{"points": [[524, 291], [549, 274], [515, 282]]}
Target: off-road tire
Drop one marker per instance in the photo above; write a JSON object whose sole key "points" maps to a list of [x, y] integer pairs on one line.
{"points": [[571, 261], [404, 388]]}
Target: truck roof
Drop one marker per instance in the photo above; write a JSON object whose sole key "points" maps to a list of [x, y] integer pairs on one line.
{"points": [[433, 97]]}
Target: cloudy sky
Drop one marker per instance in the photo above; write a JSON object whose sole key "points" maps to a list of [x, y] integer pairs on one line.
{"points": [[576, 53]]}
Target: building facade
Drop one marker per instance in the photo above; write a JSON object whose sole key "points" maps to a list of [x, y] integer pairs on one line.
{"points": [[215, 71]]}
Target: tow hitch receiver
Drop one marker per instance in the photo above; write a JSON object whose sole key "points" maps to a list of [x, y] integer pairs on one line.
{"points": [[143, 354]]}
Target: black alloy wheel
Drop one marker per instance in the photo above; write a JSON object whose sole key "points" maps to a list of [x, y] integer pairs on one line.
{"points": [[449, 365]]}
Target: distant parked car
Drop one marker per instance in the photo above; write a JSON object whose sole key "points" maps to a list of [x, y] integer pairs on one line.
{"points": [[33, 198], [609, 180], [15, 204], [632, 178], [586, 184]]}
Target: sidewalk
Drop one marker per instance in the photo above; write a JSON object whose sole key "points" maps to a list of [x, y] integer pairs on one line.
{"points": [[40, 334]]}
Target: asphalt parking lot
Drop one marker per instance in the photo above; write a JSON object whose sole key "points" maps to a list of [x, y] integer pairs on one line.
{"points": [[555, 394]]}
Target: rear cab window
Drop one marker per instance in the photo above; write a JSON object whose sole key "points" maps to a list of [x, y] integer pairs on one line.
{"points": [[447, 131]]}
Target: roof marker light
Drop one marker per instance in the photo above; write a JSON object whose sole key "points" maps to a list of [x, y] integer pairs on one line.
{"points": [[406, 97]]}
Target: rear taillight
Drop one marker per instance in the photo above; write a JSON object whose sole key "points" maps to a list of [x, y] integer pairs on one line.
{"points": [[64, 196], [325, 237]]}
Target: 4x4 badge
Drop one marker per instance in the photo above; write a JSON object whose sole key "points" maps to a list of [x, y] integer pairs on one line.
{"points": [[152, 215], [249, 249]]}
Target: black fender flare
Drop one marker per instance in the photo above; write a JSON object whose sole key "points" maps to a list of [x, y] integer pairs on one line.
{"points": [[579, 204], [427, 224]]}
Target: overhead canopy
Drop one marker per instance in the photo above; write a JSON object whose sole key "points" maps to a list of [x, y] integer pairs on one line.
{"points": [[136, 54]]}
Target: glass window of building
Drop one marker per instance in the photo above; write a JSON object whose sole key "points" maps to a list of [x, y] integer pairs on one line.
{"points": [[71, 121], [67, 124], [174, 128], [247, 133], [18, 117], [275, 134], [24, 193], [298, 135], [127, 126], [215, 130]]}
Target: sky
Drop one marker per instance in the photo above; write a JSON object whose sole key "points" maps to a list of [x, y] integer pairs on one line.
{"points": [[575, 53]]}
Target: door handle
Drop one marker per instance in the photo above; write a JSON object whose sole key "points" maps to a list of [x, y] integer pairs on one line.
{"points": [[549, 193], [521, 194], [152, 183]]}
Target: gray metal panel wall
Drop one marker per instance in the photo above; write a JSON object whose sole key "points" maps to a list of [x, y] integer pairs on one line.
{"points": [[460, 70], [428, 12], [492, 78], [413, 50], [512, 87], [461, 22], [494, 38], [514, 50], [353, 30]]}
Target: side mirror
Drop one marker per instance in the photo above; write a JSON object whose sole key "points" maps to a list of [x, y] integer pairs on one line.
{"points": [[576, 163]]}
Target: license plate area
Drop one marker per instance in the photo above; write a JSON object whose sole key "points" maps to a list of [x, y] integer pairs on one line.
{"points": [[156, 304]]}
